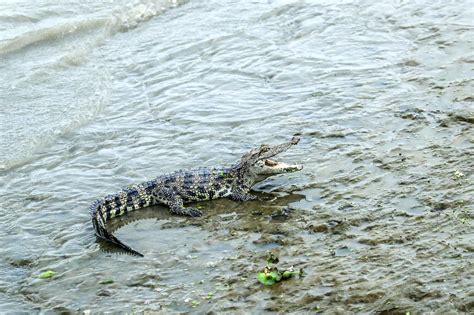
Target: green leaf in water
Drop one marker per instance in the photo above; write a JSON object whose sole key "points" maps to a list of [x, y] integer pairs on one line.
{"points": [[47, 274], [272, 275], [106, 281], [209, 295], [288, 274], [265, 278], [275, 275], [269, 277]]}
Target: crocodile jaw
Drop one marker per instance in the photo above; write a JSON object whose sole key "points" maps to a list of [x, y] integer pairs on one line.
{"points": [[255, 166], [270, 167]]}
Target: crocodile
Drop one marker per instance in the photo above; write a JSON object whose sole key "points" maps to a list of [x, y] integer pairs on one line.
{"points": [[184, 186]]}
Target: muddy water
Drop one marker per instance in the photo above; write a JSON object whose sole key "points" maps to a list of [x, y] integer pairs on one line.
{"points": [[98, 95]]}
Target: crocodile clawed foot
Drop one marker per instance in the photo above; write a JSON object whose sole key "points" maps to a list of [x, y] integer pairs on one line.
{"points": [[193, 212], [188, 212], [240, 196], [249, 197]]}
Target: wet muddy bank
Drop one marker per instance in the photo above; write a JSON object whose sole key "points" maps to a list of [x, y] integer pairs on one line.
{"points": [[380, 218]]}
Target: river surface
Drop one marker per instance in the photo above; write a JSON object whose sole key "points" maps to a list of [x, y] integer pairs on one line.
{"points": [[97, 95]]}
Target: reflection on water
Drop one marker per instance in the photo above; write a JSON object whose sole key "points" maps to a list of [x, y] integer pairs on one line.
{"points": [[96, 96]]}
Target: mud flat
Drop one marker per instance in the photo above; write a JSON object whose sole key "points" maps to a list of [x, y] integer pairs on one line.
{"points": [[100, 96]]}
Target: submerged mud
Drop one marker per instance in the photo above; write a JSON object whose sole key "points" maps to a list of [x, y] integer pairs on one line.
{"points": [[380, 219]]}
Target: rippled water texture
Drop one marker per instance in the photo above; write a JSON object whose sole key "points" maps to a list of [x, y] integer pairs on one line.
{"points": [[96, 95]]}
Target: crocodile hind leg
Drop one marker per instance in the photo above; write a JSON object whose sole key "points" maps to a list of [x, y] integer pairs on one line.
{"points": [[170, 198], [240, 195]]}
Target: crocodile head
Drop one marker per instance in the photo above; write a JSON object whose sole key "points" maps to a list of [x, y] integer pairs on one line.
{"points": [[256, 165]]}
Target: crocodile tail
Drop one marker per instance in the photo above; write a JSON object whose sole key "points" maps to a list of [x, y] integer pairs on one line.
{"points": [[101, 230]]}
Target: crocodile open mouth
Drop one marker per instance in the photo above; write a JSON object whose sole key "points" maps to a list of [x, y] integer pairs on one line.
{"points": [[269, 162], [282, 167]]}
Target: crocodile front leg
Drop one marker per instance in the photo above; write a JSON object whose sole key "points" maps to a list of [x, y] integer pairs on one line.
{"points": [[170, 198], [240, 195]]}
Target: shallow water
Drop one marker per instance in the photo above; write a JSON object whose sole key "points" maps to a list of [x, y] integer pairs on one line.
{"points": [[99, 95]]}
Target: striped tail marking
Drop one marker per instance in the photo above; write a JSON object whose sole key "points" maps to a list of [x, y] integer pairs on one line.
{"points": [[129, 199], [112, 206]]}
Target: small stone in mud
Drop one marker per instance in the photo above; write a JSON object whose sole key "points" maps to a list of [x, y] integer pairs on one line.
{"points": [[466, 99], [411, 114], [228, 216], [345, 206], [103, 292], [21, 262], [411, 63], [440, 206], [320, 228], [271, 239], [332, 226], [464, 115], [280, 215], [443, 123], [469, 99]]}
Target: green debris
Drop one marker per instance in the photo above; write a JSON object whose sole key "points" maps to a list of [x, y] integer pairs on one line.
{"points": [[464, 216], [195, 303], [272, 275], [106, 281], [209, 295], [287, 274], [269, 277], [47, 274], [272, 259]]}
